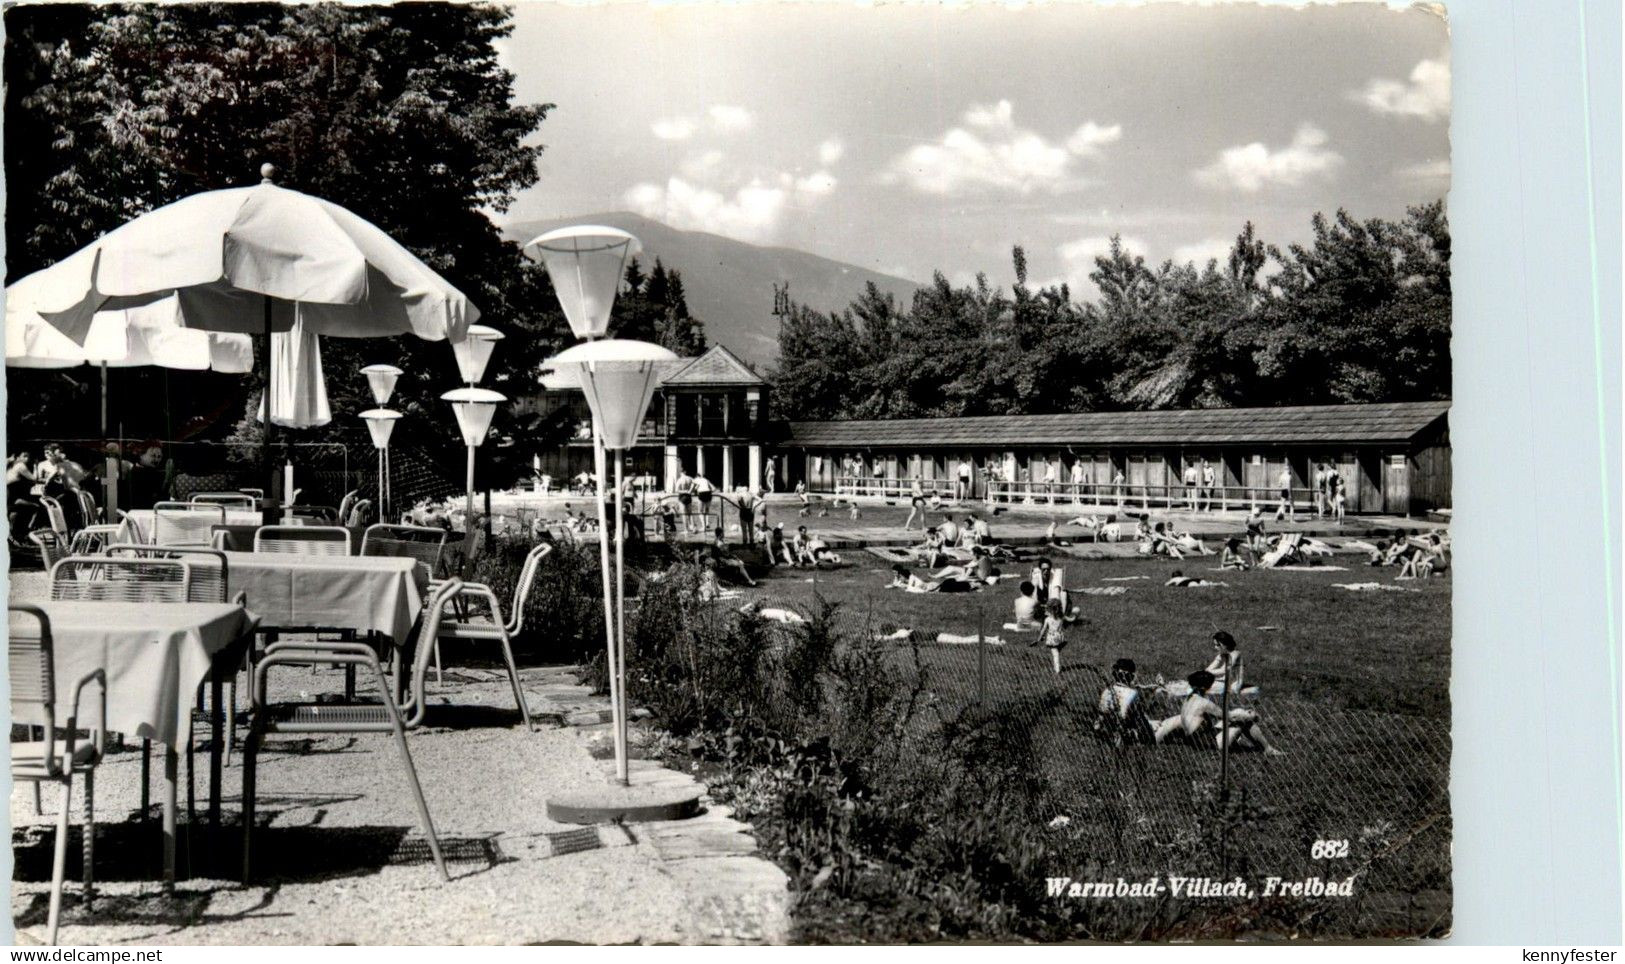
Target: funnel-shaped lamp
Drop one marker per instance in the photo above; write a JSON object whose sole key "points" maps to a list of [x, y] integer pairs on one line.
{"points": [[381, 423], [618, 377], [381, 379], [475, 408], [586, 264], [474, 352]]}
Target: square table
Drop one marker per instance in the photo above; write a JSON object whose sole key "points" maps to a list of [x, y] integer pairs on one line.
{"points": [[138, 524], [366, 594], [155, 656]]}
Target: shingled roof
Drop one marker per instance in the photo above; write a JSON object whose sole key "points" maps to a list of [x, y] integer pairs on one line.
{"points": [[1393, 422]]}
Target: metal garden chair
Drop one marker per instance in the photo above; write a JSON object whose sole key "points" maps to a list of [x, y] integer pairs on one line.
{"points": [[108, 579], [383, 716], [59, 755], [50, 546], [473, 628], [303, 540], [186, 523], [233, 499], [88, 509]]}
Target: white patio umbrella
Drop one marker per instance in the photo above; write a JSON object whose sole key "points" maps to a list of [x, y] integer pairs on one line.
{"points": [[244, 259]]}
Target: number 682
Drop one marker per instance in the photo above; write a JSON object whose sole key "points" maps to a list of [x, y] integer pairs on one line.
{"points": [[1329, 849]]}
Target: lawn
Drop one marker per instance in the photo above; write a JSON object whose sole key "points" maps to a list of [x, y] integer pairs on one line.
{"points": [[1354, 687]]}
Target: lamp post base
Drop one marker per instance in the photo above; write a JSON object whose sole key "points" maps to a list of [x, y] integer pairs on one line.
{"points": [[654, 794]]}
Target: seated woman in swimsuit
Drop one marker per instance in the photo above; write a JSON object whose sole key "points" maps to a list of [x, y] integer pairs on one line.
{"points": [[979, 569], [721, 559], [1199, 717], [1236, 555], [1226, 666]]}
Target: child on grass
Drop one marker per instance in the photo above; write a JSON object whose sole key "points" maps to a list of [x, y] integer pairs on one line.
{"points": [[1121, 713]]}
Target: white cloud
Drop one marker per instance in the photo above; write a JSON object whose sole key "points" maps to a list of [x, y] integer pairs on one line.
{"points": [[1078, 259], [1427, 170], [816, 184], [750, 213], [830, 152], [673, 128], [729, 117], [1086, 141], [704, 166], [1426, 95], [1249, 167], [991, 153], [1200, 252]]}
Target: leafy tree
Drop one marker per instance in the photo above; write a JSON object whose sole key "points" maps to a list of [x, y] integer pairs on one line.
{"points": [[403, 114]]}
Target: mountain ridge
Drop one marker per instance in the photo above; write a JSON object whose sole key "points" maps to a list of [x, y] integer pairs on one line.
{"points": [[729, 283]]}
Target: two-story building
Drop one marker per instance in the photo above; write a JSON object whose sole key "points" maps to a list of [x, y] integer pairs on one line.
{"points": [[709, 416]]}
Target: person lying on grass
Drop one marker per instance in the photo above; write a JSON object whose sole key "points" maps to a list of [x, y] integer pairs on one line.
{"points": [[722, 560], [1199, 717], [1236, 555], [1181, 580], [979, 569], [908, 581], [1120, 714], [1099, 529]]}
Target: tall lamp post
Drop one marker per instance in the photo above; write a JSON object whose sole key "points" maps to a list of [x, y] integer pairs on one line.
{"points": [[475, 408], [586, 264], [474, 404], [381, 424], [618, 378]]}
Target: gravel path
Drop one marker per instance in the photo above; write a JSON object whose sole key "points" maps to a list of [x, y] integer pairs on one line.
{"points": [[342, 859]]}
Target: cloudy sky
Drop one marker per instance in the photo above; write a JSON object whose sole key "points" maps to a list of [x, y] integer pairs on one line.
{"points": [[909, 139]]}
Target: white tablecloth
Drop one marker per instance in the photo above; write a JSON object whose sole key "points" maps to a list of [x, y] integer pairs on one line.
{"points": [[138, 523], [381, 594], [155, 655]]}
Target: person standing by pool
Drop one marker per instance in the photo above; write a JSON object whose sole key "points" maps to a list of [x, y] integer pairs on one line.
{"points": [[1190, 486], [746, 503], [1050, 478], [1207, 485], [963, 492], [703, 489], [1286, 510], [916, 506], [770, 476], [1320, 490], [685, 498], [1077, 480]]}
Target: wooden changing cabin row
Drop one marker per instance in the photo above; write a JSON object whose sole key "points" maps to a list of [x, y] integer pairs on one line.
{"points": [[1393, 458]]}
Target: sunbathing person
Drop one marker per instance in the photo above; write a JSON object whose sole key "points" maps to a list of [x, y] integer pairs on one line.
{"points": [[1182, 580], [1199, 716], [1187, 543], [1236, 555], [777, 547], [1423, 557], [1099, 529], [979, 569], [1121, 712], [908, 581], [1156, 541]]}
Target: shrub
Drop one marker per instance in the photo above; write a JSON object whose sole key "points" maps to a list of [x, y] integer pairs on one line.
{"points": [[564, 614]]}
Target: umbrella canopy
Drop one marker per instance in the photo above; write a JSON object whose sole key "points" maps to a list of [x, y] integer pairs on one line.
{"points": [[240, 259], [148, 335]]}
